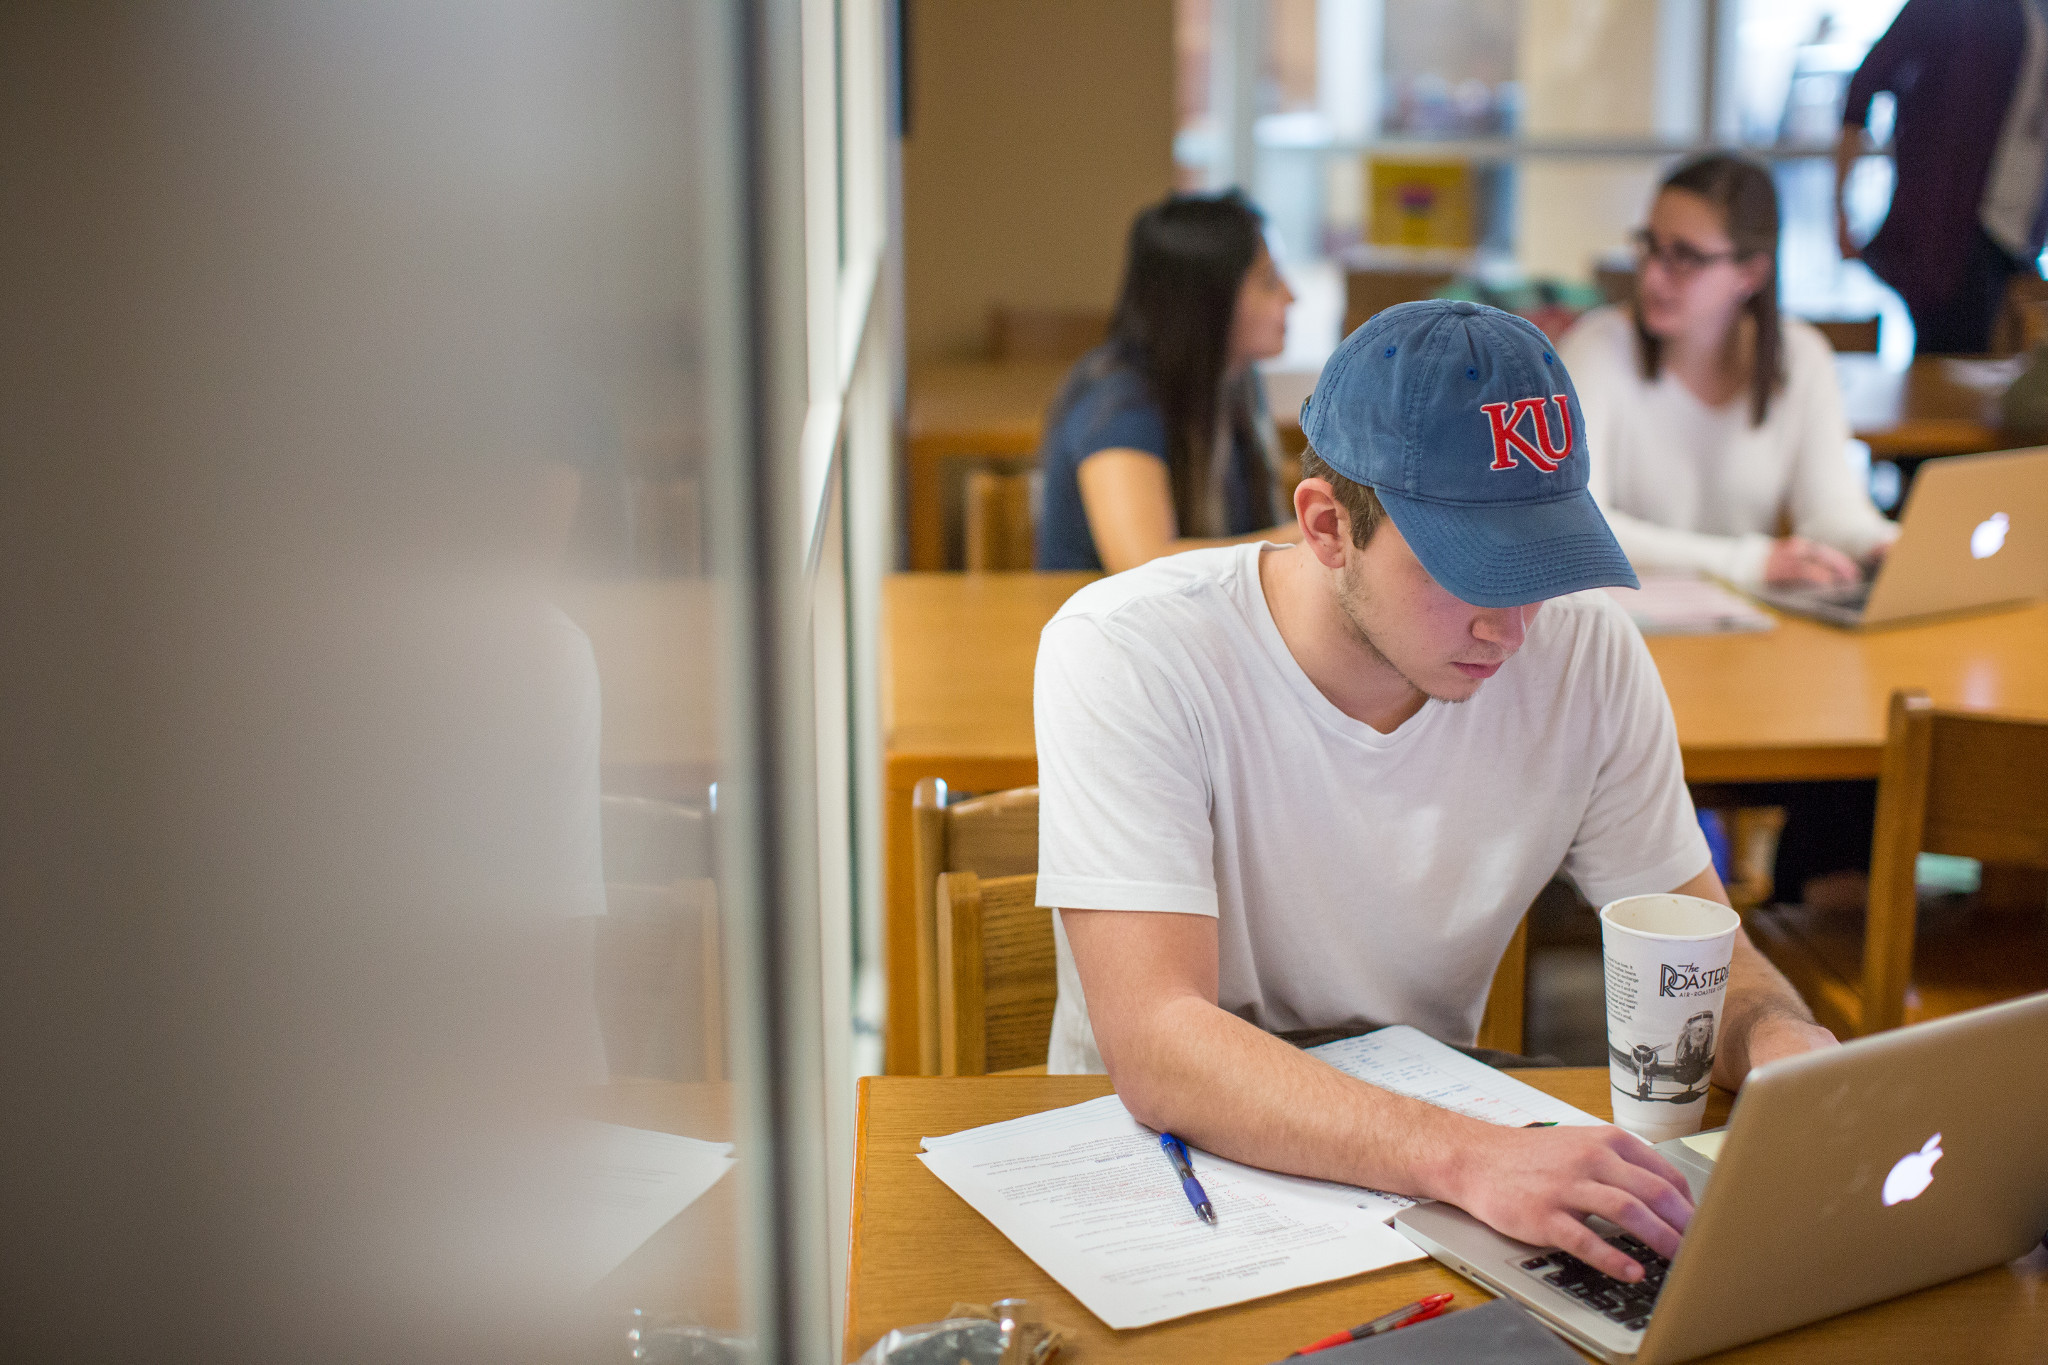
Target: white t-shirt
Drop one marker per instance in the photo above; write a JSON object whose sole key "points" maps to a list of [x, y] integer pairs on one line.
{"points": [[1187, 764], [1693, 488]]}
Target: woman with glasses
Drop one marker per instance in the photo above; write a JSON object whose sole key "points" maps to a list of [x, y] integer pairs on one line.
{"points": [[1159, 441], [1714, 424]]}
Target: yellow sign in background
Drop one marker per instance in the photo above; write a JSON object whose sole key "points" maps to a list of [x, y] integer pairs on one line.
{"points": [[1420, 204]]}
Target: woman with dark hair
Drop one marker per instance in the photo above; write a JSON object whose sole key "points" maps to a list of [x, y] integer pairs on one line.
{"points": [[1159, 441], [1714, 424]]}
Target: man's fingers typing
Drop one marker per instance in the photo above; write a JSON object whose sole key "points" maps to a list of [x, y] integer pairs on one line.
{"points": [[1550, 1182], [1632, 1216], [1569, 1234], [1664, 1202]]}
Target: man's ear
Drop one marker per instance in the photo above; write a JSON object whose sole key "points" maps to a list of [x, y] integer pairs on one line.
{"points": [[1325, 525]]}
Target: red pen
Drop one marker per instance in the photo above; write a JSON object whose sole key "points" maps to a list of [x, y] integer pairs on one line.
{"points": [[1401, 1317]]}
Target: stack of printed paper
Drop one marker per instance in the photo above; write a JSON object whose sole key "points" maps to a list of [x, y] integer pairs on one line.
{"points": [[1677, 605], [1086, 1193]]}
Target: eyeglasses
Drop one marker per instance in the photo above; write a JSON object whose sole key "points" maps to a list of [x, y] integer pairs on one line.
{"points": [[1682, 259]]}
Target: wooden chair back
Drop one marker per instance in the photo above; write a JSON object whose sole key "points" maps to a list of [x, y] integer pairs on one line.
{"points": [[1018, 333], [649, 842], [1001, 531], [1370, 290], [998, 979], [1617, 284], [1500, 1027], [995, 836], [999, 982], [2022, 322], [1952, 782], [657, 973], [1849, 335]]}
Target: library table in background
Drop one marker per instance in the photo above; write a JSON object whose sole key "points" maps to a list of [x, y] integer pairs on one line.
{"points": [[1929, 408], [1802, 702], [917, 1249], [981, 409]]}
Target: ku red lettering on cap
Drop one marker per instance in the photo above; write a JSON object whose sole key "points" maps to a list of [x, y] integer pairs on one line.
{"points": [[1508, 440]]}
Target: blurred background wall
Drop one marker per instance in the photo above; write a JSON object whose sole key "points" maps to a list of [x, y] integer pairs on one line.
{"points": [[1035, 132]]}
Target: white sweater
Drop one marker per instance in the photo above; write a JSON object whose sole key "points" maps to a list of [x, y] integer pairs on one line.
{"points": [[1688, 487]]}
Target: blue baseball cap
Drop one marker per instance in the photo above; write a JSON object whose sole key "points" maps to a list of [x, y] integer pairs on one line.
{"points": [[1462, 418]]}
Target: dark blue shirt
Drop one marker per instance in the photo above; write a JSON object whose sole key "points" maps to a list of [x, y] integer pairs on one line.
{"points": [[1105, 405]]}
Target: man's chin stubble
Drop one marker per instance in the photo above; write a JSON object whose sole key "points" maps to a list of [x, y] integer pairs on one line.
{"points": [[1364, 637]]}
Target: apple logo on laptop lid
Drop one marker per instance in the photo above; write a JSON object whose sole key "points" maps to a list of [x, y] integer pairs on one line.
{"points": [[1913, 1173], [1989, 536]]}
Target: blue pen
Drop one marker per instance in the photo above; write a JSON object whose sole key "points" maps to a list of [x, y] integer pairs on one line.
{"points": [[1177, 1152]]}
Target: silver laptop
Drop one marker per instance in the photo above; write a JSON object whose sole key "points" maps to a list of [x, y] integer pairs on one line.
{"points": [[1845, 1177], [1974, 534]]}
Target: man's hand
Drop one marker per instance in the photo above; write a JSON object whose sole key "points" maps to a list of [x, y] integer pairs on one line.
{"points": [[1538, 1185]]}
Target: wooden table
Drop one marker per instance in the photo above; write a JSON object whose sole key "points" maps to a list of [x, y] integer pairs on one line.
{"points": [[993, 410], [1804, 701], [971, 409], [1930, 409], [918, 1248]]}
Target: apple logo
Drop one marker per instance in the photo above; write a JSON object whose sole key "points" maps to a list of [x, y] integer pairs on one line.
{"points": [[1914, 1173], [1989, 536]]}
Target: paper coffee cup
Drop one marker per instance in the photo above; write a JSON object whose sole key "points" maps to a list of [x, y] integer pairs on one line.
{"points": [[1667, 977]]}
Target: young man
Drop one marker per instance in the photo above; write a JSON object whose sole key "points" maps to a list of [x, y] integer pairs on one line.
{"points": [[1316, 787]]}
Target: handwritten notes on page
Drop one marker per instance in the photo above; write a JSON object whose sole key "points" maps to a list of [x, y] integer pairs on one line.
{"points": [[1087, 1194], [1409, 1062]]}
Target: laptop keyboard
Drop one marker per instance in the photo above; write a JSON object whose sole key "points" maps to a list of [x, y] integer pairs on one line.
{"points": [[1853, 596], [1627, 1304]]}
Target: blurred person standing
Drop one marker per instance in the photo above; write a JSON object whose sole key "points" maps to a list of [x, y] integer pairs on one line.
{"points": [[1714, 423], [1159, 440], [1971, 151]]}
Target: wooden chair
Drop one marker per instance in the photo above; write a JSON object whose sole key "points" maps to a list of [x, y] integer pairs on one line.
{"points": [[658, 980], [657, 973], [1952, 782], [1001, 530], [1617, 284], [1500, 1027], [994, 835], [649, 842], [1372, 290], [1016, 333], [2022, 322], [998, 982], [1849, 335]]}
